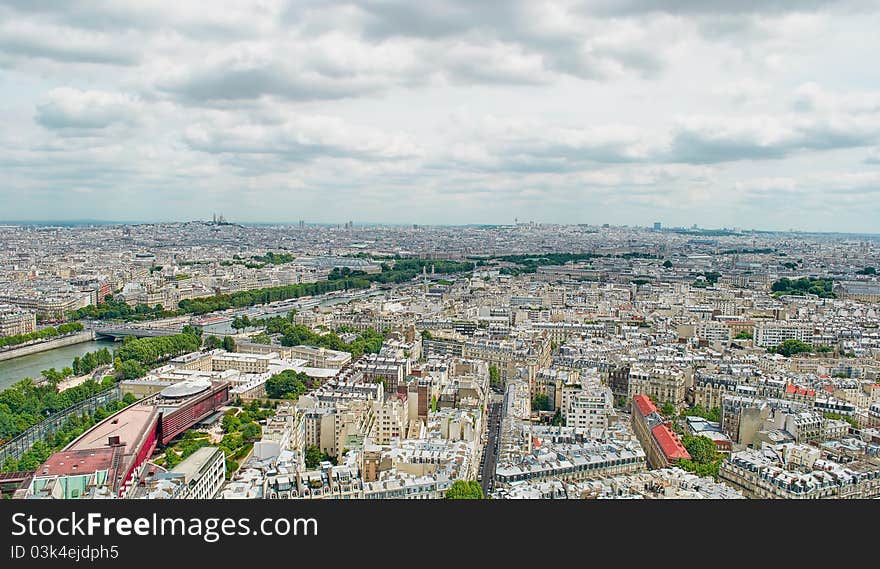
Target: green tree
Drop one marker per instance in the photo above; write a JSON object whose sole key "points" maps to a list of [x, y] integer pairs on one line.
{"points": [[313, 456], [494, 376], [228, 344], [465, 490], [702, 449], [541, 403], [667, 264], [251, 431], [131, 369], [791, 347], [743, 335], [667, 409]]}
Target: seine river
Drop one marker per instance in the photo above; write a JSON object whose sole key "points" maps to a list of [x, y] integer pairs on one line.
{"points": [[31, 366]]}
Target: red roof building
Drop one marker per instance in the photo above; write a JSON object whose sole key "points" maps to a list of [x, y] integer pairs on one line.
{"points": [[669, 443], [644, 405]]}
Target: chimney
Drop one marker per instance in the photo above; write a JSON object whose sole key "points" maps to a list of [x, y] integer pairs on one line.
{"points": [[113, 441]]}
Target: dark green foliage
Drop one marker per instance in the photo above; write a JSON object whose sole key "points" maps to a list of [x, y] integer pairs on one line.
{"points": [[261, 338], [541, 403], [290, 384], [25, 404], [271, 258], [314, 456], [805, 285], [789, 348], [747, 251], [530, 263], [112, 309], [705, 458], [149, 351]]}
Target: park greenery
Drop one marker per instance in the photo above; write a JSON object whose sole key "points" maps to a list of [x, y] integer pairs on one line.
{"points": [[743, 335], [823, 288], [271, 258], [261, 338], [38, 335], [867, 271], [72, 427], [367, 342], [465, 490], [530, 263], [759, 251]]}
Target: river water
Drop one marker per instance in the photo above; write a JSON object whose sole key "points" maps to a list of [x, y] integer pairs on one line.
{"points": [[31, 366]]}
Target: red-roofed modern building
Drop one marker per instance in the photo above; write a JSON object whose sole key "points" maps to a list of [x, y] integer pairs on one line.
{"points": [[107, 460], [662, 446]]}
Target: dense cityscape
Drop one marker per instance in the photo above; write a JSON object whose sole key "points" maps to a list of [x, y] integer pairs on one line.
{"points": [[213, 359]]}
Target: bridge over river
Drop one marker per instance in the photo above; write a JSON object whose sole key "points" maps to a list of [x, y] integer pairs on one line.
{"points": [[120, 332]]}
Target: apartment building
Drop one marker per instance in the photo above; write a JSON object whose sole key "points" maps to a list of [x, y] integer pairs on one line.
{"points": [[771, 334], [15, 320], [663, 384]]}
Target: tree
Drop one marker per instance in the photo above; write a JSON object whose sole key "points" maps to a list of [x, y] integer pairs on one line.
{"points": [[702, 449], [667, 264], [313, 456], [541, 403], [288, 384], [192, 330], [465, 490], [494, 376], [251, 431], [667, 409], [131, 369], [212, 342], [791, 347], [228, 344], [230, 422], [743, 335]]}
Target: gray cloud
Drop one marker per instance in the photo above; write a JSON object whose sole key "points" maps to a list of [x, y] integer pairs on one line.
{"points": [[72, 109]]}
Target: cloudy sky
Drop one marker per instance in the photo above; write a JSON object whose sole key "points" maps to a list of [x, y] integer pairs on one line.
{"points": [[746, 113]]}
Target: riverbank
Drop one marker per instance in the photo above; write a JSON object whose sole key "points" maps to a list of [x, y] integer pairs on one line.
{"points": [[70, 340]]}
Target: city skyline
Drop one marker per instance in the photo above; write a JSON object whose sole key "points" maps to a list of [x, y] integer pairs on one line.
{"points": [[444, 113], [371, 224]]}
